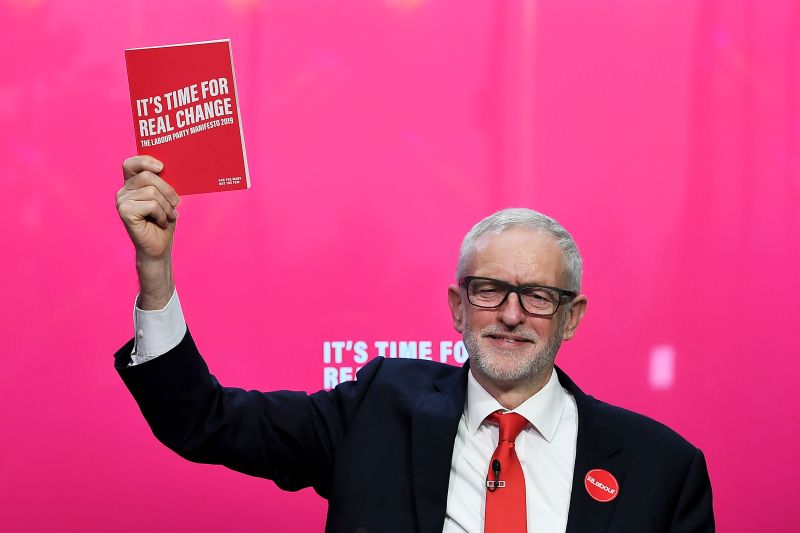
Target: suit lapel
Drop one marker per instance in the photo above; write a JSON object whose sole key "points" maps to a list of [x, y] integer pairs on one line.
{"points": [[597, 447], [433, 432]]}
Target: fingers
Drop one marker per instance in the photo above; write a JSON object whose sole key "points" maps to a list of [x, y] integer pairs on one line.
{"points": [[139, 163], [133, 211], [142, 205], [143, 170], [149, 193], [145, 195], [146, 179]]}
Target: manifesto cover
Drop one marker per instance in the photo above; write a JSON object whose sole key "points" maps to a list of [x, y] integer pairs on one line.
{"points": [[186, 114]]}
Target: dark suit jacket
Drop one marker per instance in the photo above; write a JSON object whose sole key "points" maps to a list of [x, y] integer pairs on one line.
{"points": [[379, 448]]}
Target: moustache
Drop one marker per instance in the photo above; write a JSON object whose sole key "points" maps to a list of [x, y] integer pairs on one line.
{"points": [[524, 334]]}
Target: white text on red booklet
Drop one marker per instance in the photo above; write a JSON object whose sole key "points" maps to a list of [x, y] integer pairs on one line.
{"points": [[182, 109]]}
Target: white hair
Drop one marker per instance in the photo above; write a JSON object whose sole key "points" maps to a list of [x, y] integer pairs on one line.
{"points": [[507, 219]]}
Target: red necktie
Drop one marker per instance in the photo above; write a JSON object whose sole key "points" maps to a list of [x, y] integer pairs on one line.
{"points": [[505, 493]]}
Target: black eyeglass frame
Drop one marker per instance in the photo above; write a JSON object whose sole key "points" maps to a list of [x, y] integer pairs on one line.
{"points": [[510, 287]]}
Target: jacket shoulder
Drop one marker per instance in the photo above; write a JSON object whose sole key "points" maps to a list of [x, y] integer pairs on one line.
{"points": [[621, 424], [631, 425]]}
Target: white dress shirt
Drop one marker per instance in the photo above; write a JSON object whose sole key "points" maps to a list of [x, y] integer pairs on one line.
{"points": [[545, 448], [157, 332]]}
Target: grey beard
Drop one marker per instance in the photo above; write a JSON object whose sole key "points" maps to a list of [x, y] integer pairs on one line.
{"points": [[525, 370]]}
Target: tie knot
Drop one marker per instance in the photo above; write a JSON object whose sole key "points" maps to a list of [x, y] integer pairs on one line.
{"points": [[510, 424]]}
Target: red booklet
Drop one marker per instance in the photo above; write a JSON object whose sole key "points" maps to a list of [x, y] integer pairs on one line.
{"points": [[186, 114]]}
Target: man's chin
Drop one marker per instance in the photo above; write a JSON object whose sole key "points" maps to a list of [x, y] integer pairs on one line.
{"points": [[508, 368]]}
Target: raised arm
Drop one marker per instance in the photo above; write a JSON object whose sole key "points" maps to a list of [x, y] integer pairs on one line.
{"points": [[288, 437], [146, 205]]}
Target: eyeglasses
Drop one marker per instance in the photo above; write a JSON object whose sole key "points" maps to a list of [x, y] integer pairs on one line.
{"points": [[536, 300]]}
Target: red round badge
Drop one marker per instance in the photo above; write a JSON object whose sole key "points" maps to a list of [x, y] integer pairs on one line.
{"points": [[601, 485]]}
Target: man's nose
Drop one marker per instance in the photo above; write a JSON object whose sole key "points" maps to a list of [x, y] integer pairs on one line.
{"points": [[512, 313]]}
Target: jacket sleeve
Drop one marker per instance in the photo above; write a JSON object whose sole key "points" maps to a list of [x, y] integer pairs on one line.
{"points": [[289, 437], [694, 512]]}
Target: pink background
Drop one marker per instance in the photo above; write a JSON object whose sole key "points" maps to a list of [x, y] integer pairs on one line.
{"points": [[665, 135]]}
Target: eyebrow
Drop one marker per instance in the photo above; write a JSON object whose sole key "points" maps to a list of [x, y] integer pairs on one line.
{"points": [[523, 284]]}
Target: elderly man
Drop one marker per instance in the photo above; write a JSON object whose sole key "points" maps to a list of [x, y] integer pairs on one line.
{"points": [[506, 443]]}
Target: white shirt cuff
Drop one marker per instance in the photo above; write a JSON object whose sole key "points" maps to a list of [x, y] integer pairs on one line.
{"points": [[157, 332]]}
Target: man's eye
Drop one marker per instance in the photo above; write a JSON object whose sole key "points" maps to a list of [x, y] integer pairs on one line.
{"points": [[539, 295], [488, 290]]}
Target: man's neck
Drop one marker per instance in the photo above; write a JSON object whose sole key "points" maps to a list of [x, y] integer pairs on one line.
{"points": [[512, 394]]}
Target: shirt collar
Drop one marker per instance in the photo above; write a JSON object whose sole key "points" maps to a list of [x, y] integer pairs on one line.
{"points": [[543, 410]]}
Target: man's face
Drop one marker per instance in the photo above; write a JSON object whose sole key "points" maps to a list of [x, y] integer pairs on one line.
{"points": [[507, 345]]}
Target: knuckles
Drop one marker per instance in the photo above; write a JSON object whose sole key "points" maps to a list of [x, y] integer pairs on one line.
{"points": [[141, 190]]}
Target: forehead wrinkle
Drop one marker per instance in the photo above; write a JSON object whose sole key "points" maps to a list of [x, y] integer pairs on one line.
{"points": [[518, 256]]}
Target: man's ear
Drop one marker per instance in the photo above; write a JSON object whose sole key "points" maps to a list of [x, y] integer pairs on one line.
{"points": [[456, 307], [576, 311]]}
